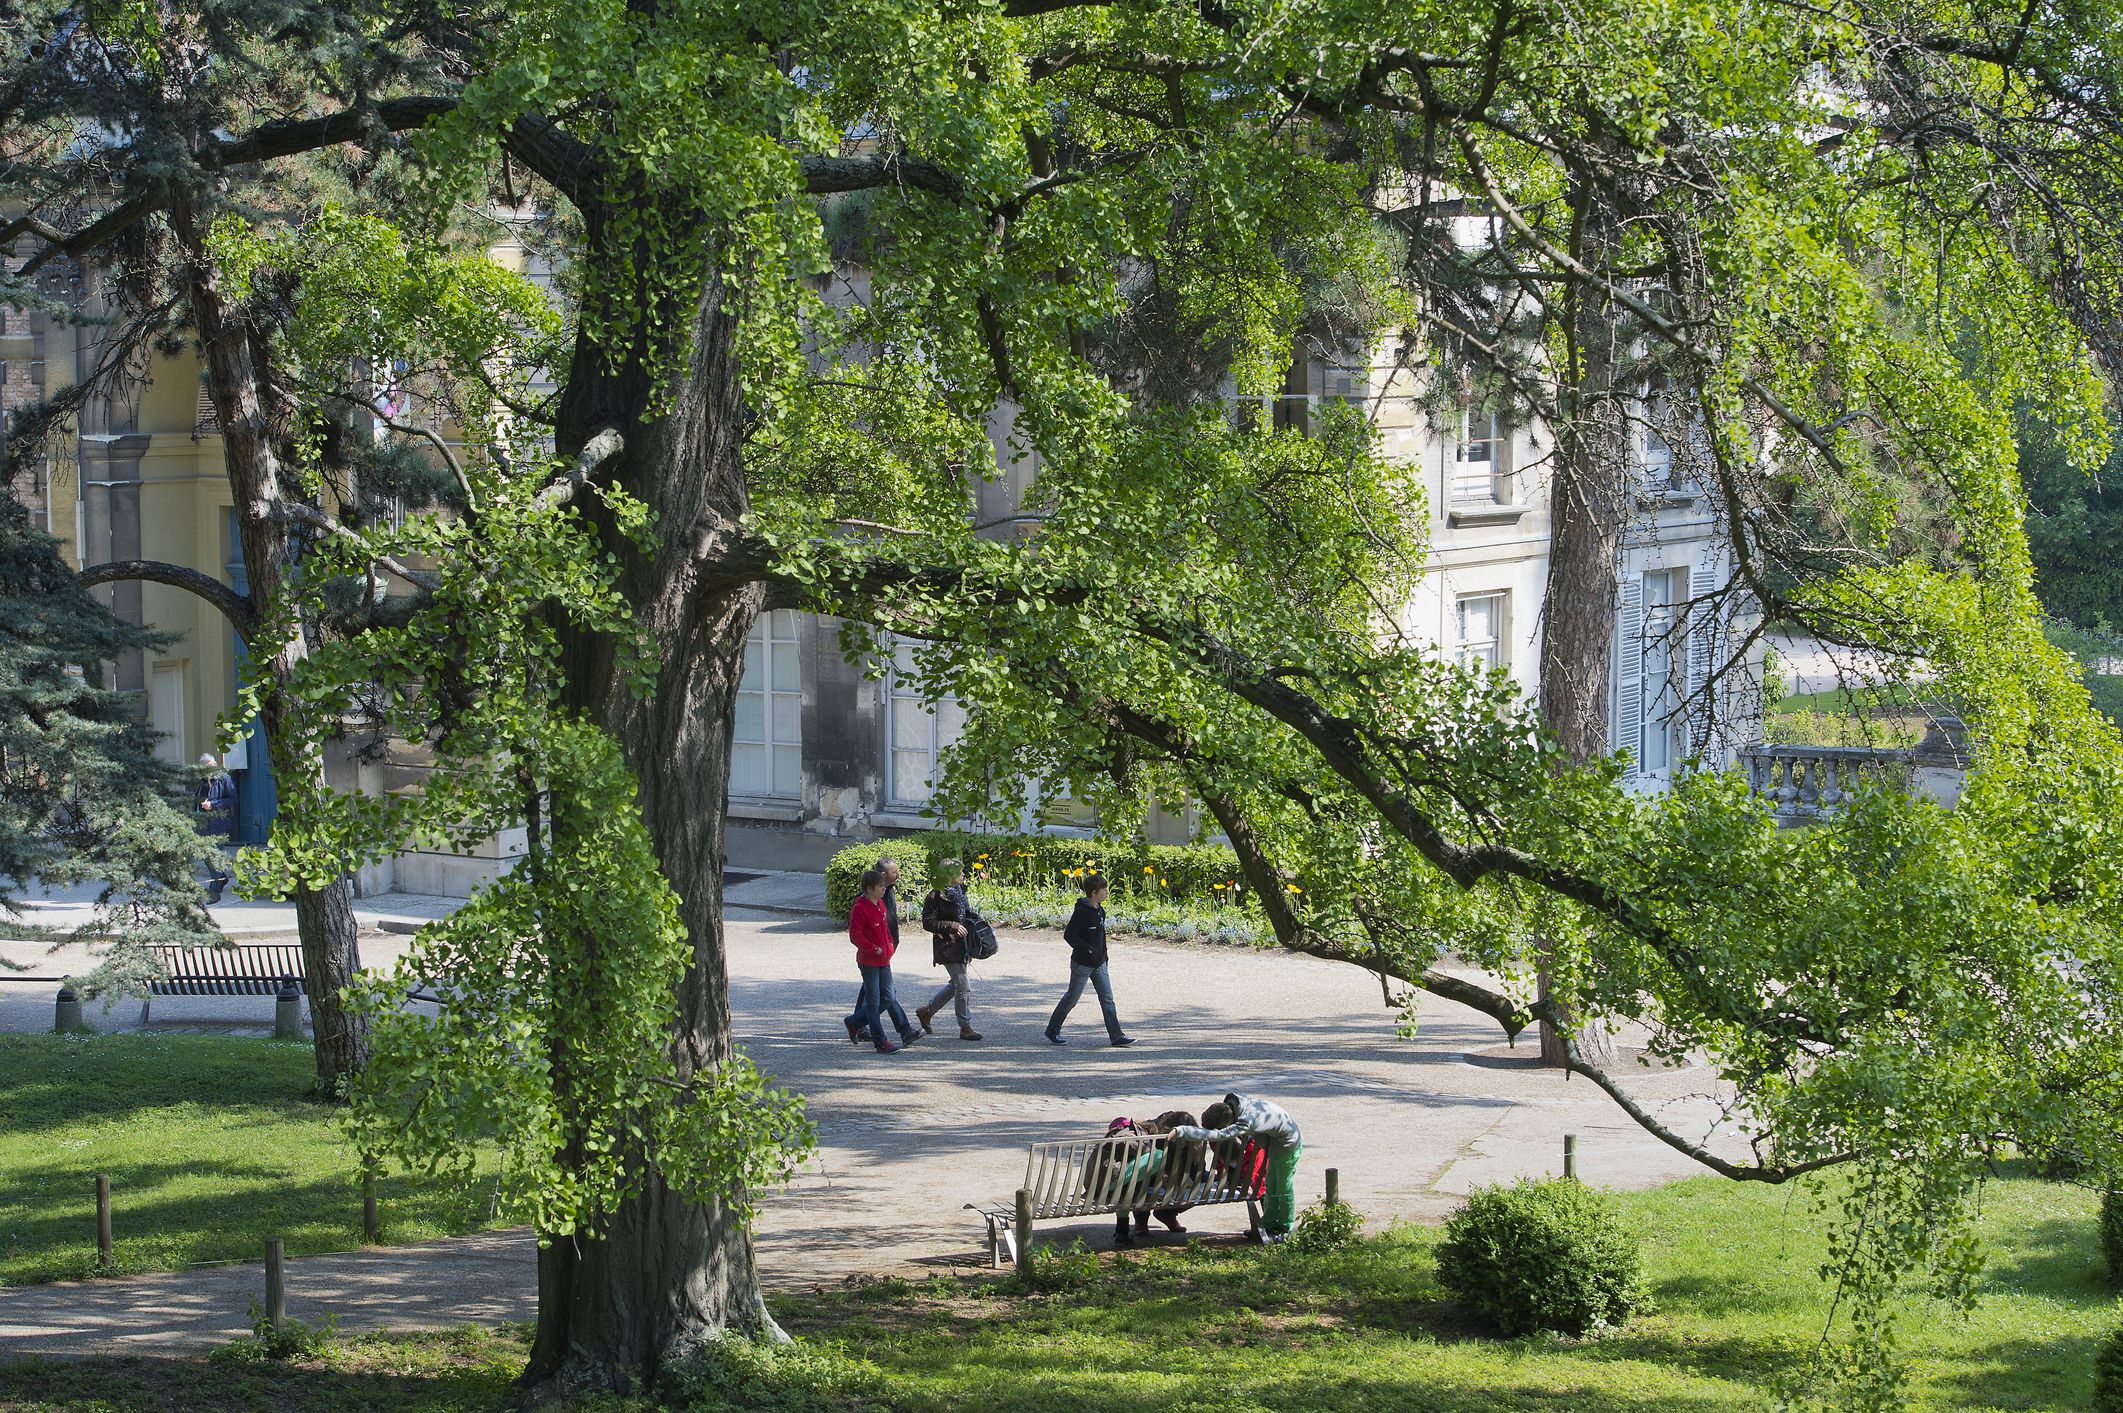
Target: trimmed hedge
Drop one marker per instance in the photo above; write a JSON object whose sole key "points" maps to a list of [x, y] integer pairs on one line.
{"points": [[1542, 1255], [1204, 873], [2112, 1232], [2108, 1374]]}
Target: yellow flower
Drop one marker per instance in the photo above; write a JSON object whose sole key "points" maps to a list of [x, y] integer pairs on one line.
{"points": [[1163, 883], [1293, 888], [1149, 868]]}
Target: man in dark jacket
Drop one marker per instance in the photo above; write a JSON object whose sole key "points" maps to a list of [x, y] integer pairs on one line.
{"points": [[949, 916], [1086, 934], [216, 799]]}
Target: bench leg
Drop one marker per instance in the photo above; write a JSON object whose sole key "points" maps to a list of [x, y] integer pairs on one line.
{"points": [[145, 1002], [995, 1245], [1253, 1216]]}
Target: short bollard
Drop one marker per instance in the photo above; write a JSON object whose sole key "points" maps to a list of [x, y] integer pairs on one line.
{"points": [[287, 1012], [1024, 1228], [1570, 1155], [275, 1284], [103, 1220], [371, 1226], [1334, 1187], [66, 1014]]}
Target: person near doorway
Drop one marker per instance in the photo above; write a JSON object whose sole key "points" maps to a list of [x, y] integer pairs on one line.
{"points": [[1086, 934], [949, 917], [216, 801]]}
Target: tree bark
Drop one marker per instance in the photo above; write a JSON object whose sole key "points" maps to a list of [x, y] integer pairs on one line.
{"points": [[1588, 506], [324, 916], [664, 1272]]}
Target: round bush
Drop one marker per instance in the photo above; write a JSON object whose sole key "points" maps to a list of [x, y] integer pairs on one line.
{"points": [[1549, 1255], [2108, 1374]]}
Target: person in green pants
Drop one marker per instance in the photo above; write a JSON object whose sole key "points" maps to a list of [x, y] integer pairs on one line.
{"points": [[1269, 1125]]}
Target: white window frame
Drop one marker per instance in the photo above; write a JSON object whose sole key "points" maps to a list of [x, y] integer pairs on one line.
{"points": [[941, 723], [778, 737], [1480, 441], [1663, 640], [1487, 652]]}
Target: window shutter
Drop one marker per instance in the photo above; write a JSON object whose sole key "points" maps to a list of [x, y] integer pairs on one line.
{"points": [[1705, 637], [1629, 670]]}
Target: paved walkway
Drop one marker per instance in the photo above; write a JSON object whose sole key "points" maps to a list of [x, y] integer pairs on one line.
{"points": [[905, 1140]]}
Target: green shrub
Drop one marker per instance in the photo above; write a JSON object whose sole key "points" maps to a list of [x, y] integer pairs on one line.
{"points": [[1547, 1255], [798, 1377], [2108, 1374], [1196, 873], [1326, 1226], [2112, 1232]]}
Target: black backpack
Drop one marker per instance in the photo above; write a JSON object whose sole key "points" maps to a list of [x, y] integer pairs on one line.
{"points": [[980, 938]]}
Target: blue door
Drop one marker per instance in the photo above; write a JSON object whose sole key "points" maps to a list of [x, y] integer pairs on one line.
{"points": [[256, 800]]}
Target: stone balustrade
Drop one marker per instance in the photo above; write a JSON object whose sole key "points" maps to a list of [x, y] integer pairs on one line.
{"points": [[1806, 782]]}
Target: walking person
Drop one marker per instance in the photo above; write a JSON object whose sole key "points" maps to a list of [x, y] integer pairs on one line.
{"points": [[1237, 1118], [949, 917], [873, 956], [216, 799], [889, 867], [1086, 934]]}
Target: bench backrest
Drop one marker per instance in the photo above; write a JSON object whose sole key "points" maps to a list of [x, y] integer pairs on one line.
{"points": [[246, 969], [1089, 1176]]}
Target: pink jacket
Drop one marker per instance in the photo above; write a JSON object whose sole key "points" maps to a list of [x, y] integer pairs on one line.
{"points": [[870, 933]]}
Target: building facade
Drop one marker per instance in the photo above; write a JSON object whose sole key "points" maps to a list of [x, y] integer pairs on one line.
{"points": [[826, 752]]}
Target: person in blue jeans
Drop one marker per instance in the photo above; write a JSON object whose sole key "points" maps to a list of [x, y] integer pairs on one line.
{"points": [[1086, 934], [874, 945]]}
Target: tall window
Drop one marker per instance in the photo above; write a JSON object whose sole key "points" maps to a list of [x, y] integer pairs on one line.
{"points": [[1664, 659], [1481, 629], [918, 733], [1656, 423], [766, 751], [1477, 456]]}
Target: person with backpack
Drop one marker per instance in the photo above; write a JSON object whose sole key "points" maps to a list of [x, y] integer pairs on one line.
{"points": [[216, 799], [1086, 934], [874, 945], [1159, 1166], [1239, 1118], [958, 934]]}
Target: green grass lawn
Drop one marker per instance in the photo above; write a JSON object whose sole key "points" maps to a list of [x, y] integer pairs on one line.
{"points": [[1235, 1329], [212, 1144]]}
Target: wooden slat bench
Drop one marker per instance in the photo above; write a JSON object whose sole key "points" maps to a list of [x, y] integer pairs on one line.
{"points": [[241, 969], [1086, 1178]]}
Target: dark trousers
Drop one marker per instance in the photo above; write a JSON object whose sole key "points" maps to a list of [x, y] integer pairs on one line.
{"points": [[875, 1003]]}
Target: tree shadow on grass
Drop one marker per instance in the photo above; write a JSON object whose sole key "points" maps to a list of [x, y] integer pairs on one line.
{"points": [[2059, 1257], [2050, 1374], [472, 1378], [234, 1205]]}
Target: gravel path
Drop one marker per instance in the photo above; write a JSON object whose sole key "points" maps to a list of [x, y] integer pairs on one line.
{"points": [[906, 1140]]}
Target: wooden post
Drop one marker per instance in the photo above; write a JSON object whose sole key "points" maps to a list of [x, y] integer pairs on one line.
{"points": [[1334, 1187], [1024, 1227], [103, 1220], [275, 1284], [1570, 1155], [371, 1224]]}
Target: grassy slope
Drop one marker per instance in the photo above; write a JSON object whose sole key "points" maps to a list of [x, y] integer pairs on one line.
{"points": [[1240, 1330], [212, 1144]]}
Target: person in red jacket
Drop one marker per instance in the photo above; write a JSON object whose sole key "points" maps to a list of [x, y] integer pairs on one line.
{"points": [[872, 936]]}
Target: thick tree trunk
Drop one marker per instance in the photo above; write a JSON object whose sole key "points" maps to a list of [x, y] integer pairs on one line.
{"points": [[324, 917], [665, 1271], [1588, 508]]}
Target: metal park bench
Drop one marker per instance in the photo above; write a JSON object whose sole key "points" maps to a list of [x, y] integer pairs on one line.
{"points": [[1088, 1178], [244, 969]]}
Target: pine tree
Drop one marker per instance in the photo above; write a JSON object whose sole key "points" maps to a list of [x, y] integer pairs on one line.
{"points": [[83, 798]]}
